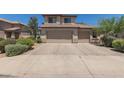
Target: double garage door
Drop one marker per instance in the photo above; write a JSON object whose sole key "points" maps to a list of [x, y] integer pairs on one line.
{"points": [[59, 36], [65, 36]]}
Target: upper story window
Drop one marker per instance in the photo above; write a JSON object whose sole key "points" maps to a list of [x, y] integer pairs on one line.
{"points": [[52, 20], [67, 20]]}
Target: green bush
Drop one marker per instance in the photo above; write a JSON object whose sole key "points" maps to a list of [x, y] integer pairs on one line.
{"points": [[39, 40], [25, 41], [31, 37], [118, 44], [11, 41], [3, 43], [15, 49], [107, 41], [1, 39]]}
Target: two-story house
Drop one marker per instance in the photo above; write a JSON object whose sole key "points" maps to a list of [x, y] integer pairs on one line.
{"points": [[63, 28]]}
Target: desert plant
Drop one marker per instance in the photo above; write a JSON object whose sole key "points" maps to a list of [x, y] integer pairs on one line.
{"points": [[15, 49], [25, 41], [118, 44], [107, 40], [3, 43]]}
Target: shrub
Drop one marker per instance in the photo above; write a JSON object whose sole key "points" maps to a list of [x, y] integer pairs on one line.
{"points": [[3, 43], [107, 41], [11, 41], [25, 41], [1, 39], [39, 40], [118, 44], [31, 37], [15, 49]]}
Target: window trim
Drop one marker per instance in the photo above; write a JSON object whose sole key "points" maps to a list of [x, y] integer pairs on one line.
{"points": [[53, 20], [67, 20]]}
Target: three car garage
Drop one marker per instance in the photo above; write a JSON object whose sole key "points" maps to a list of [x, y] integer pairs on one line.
{"points": [[66, 33], [66, 36]]}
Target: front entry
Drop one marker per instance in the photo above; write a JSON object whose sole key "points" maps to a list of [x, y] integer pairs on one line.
{"points": [[59, 36]]}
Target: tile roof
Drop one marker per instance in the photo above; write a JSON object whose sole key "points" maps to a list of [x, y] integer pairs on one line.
{"points": [[11, 22]]}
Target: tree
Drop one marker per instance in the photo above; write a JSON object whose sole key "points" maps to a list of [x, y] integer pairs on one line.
{"points": [[111, 26], [107, 26], [33, 26], [119, 27]]}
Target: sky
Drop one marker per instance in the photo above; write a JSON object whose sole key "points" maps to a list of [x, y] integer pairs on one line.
{"points": [[90, 19]]}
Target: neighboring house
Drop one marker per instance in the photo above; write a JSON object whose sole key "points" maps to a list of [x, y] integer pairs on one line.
{"points": [[63, 28], [2, 34], [10, 29]]}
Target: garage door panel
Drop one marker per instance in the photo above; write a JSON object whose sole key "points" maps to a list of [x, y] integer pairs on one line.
{"points": [[83, 36], [59, 41], [57, 36]]}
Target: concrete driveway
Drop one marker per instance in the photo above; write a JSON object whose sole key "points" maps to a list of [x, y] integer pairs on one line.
{"points": [[64, 60]]}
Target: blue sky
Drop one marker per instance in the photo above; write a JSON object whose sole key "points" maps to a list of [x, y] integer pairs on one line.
{"points": [[90, 19]]}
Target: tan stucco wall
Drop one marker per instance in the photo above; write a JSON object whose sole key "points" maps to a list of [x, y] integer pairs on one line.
{"points": [[75, 32], [46, 19], [24, 34], [2, 34], [85, 29], [72, 19], [60, 19]]}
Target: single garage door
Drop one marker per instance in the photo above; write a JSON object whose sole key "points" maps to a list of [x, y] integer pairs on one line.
{"points": [[83, 36], [59, 36]]}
